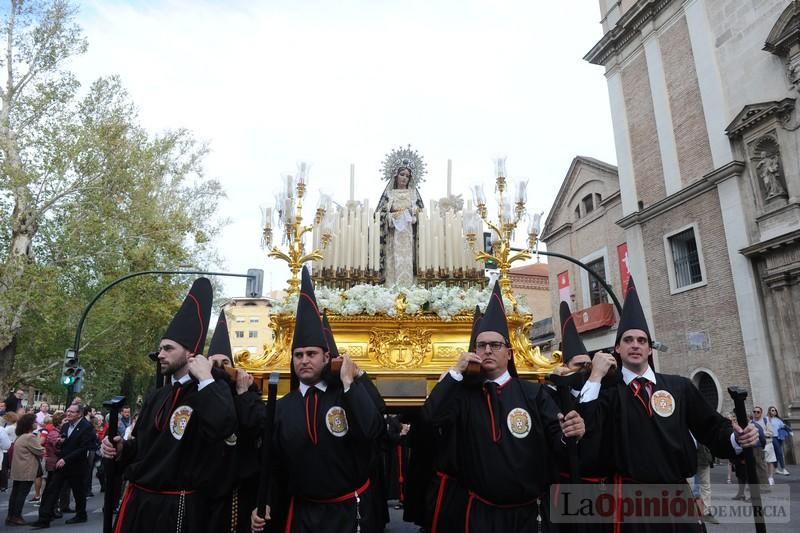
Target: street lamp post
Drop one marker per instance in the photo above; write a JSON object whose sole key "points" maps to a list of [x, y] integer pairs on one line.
{"points": [[76, 345]]}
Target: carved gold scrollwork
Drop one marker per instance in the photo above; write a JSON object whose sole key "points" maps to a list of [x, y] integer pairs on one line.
{"points": [[400, 348], [269, 355], [531, 356]]}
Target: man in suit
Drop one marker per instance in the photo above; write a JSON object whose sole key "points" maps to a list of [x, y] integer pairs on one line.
{"points": [[77, 438]]}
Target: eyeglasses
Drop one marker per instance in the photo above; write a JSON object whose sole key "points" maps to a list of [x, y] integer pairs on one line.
{"points": [[493, 345], [756, 412]]}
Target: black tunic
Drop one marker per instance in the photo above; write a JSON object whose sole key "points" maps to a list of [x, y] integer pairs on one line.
{"points": [[236, 466], [506, 453], [167, 459], [654, 449], [320, 459]]}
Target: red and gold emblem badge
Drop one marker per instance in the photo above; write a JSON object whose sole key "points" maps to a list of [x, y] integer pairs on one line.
{"points": [[336, 421], [663, 403], [519, 422], [179, 420]]}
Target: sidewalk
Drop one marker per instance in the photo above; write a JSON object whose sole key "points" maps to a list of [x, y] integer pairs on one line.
{"points": [[722, 495]]}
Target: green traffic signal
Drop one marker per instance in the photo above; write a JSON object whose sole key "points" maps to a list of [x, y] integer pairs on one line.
{"points": [[68, 380]]}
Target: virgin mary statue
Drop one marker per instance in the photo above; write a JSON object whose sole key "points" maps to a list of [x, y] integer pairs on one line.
{"points": [[403, 169]]}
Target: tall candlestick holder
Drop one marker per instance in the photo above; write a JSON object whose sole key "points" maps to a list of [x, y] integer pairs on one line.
{"points": [[509, 216], [290, 215]]}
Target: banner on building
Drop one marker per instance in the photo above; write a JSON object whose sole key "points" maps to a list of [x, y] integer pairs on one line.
{"points": [[563, 287], [624, 271]]}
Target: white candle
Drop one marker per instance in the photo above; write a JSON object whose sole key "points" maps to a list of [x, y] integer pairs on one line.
{"points": [[435, 265], [448, 247], [421, 258], [449, 177], [522, 191], [376, 241], [352, 181]]}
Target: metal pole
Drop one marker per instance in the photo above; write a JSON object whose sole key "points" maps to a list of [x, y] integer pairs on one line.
{"points": [[76, 345], [592, 273]]}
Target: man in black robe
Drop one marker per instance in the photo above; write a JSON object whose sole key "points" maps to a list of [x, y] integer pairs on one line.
{"points": [[166, 459], [236, 459], [595, 464], [650, 416], [509, 433], [325, 437]]}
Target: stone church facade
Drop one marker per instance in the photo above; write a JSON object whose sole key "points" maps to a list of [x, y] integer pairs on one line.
{"points": [[703, 97]]}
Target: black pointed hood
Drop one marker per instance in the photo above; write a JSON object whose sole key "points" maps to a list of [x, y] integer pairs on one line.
{"points": [[189, 327], [308, 322], [571, 343], [221, 341], [326, 328], [494, 319], [632, 314], [476, 322]]}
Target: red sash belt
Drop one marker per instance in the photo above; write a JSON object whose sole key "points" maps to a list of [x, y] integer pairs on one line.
{"points": [[475, 496], [126, 498], [439, 497], [163, 492], [339, 499], [346, 496]]}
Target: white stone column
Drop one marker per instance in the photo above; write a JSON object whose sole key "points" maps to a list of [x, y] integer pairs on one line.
{"points": [[715, 105], [755, 338], [622, 142], [663, 115]]}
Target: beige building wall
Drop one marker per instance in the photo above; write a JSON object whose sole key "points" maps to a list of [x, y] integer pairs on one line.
{"points": [[703, 96], [586, 237], [248, 324]]}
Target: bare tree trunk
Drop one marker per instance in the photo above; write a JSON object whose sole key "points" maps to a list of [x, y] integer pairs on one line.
{"points": [[7, 357]]}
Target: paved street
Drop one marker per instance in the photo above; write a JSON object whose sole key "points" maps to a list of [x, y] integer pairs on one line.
{"points": [[723, 495]]}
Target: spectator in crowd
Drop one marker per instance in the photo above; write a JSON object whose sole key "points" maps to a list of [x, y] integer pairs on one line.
{"points": [[24, 467], [2, 409], [779, 433], [44, 412], [38, 484], [11, 418], [129, 429], [14, 401], [124, 419], [5, 444]]}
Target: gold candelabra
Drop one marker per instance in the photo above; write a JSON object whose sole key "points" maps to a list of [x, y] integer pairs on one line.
{"points": [[509, 215], [290, 217]]}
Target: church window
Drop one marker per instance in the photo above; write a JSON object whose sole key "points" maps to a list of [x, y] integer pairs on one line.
{"points": [[577, 212], [684, 259], [597, 294], [588, 203]]}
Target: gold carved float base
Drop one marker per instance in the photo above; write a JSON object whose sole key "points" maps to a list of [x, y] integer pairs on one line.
{"points": [[404, 355]]}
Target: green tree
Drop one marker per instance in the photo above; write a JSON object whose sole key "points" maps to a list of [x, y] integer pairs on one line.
{"points": [[87, 195]]}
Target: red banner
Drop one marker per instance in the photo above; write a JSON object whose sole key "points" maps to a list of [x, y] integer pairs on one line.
{"points": [[624, 271], [563, 287]]}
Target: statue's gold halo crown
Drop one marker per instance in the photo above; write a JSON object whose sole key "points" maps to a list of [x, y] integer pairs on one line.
{"points": [[404, 158]]}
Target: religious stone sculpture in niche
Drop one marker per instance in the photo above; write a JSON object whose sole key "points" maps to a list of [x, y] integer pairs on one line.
{"points": [[769, 169]]}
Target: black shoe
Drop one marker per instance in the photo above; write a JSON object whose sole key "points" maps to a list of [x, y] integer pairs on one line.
{"points": [[40, 524], [67, 510], [76, 520]]}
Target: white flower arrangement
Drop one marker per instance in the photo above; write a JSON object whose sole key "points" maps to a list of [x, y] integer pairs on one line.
{"points": [[445, 301]]}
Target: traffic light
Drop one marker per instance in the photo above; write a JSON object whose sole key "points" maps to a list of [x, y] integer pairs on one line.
{"points": [[69, 369], [255, 283], [79, 379]]}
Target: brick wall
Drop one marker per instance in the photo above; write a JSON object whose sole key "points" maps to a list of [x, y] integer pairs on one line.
{"points": [[647, 166], [711, 308], [691, 136]]}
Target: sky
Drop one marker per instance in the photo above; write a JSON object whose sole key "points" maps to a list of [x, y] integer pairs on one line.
{"points": [[269, 83]]}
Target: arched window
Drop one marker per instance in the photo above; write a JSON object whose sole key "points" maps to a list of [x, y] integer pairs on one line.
{"points": [[707, 387], [577, 212], [588, 204]]}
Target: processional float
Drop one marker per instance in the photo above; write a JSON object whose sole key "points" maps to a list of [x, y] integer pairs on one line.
{"points": [[404, 336]]}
